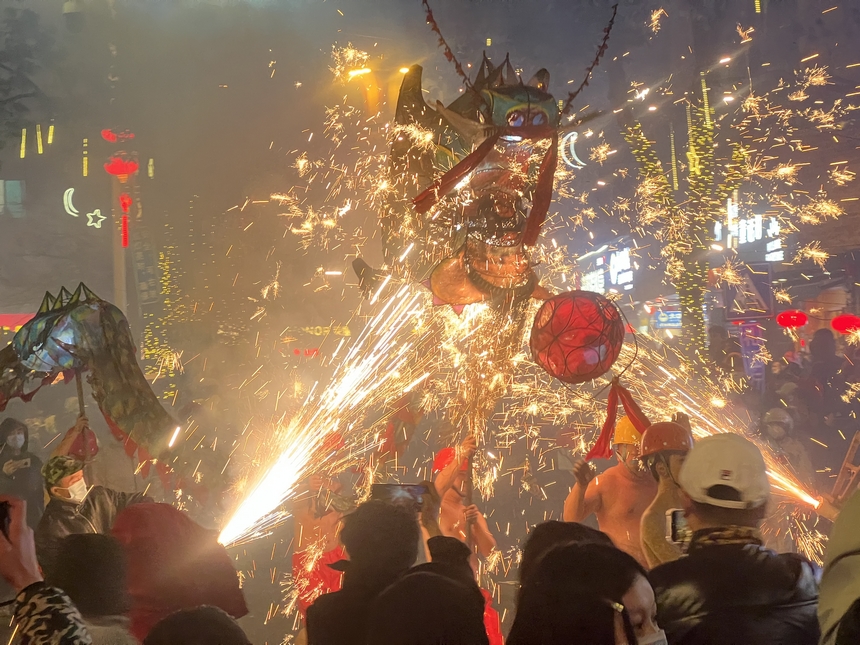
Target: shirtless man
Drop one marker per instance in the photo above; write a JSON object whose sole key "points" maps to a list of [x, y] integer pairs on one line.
{"points": [[619, 496], [664, 447], [454, 515]]}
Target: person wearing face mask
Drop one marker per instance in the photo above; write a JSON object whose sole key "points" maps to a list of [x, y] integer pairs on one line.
{"points": [[619, 496], [777, 427], [664, 447], [21, 470], [75, 507]]}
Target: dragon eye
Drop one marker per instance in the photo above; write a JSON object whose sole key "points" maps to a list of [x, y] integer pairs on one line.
{"points": [[539, 119], [516, 119]]}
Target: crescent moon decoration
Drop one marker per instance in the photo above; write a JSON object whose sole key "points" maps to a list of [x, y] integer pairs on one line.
{"points": [[568, 151], [67, 202]]}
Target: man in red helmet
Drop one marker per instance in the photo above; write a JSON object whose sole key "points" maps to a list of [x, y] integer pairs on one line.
{"points": [[618, 496], [664, 447], [454, 516]]}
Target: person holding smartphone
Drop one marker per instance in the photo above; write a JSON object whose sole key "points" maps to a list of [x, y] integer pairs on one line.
{"points": [[664, 447], [21, 470]]}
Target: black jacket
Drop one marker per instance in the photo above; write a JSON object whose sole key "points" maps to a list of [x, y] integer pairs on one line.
{"points": [[737, 594], [341, 617], [21, 477], [96, 514]]}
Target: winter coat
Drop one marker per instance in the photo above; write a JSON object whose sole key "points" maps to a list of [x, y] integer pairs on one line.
{"points": [[45, 616], [341, 617], [21, 477], [62, 517], [737, 594]]}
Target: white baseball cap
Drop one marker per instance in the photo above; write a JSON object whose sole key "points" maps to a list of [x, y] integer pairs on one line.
{"points": [[725, 459]]}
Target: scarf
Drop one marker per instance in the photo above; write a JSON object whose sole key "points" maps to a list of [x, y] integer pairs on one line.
{"points": [[726, 535]]}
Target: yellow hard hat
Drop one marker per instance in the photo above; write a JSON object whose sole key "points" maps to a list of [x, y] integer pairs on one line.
{"points": [[626, 432]]}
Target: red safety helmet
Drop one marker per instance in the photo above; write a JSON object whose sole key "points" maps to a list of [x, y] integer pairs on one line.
{"points": [[665, 435], [445, 457]]}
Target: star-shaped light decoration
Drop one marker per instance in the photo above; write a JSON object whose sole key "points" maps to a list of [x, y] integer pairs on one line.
{"points": [[96, 218]]}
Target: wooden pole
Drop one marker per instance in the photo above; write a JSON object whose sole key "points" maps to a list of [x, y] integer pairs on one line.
{"points": [[80, 386]]}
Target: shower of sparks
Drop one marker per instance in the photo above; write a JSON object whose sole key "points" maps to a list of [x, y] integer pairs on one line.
{"points": [[782, 296], [814, 252], [421, 138], [271, 290], [841, 176], [656, 16], [474, 364], [600, 153], [818, 211], [346, 61], [851, 392], [730, 272], [371, 368], [745, 33]]}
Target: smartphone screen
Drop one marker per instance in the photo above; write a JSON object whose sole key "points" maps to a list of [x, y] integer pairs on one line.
{"points": [[409, 495], [677, 530]]}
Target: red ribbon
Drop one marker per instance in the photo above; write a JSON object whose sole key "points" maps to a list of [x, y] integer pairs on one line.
{"points": [[602, 448], [543, 190]]}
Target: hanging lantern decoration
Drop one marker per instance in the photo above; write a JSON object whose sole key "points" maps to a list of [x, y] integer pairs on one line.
{"points": [[125, 202], [576, 336], [121, 168], [113, 137], [846, 323], [124, 231], [791, 319]]}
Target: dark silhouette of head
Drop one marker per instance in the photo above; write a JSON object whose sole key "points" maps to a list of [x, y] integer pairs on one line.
{"points": [[424, 608], [548, 535], [380, 536], [823, 344], [573, 595], [200, 626], [91, 569], [717, 335]]}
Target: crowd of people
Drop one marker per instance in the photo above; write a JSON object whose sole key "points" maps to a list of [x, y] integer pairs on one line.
{"points": [[678, 557]]}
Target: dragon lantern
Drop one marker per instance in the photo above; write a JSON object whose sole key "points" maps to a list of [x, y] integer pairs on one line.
{"points": [[496, 147]]}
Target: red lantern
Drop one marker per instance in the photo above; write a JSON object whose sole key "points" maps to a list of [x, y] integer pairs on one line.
{"points": [[845, 323], [121, 168], [125, 202], [791, 319], [109, 135], [576, 336]]}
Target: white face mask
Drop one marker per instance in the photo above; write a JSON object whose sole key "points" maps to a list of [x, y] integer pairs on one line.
{"points": [[78, 491], [657, 638], [15, 441]]}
